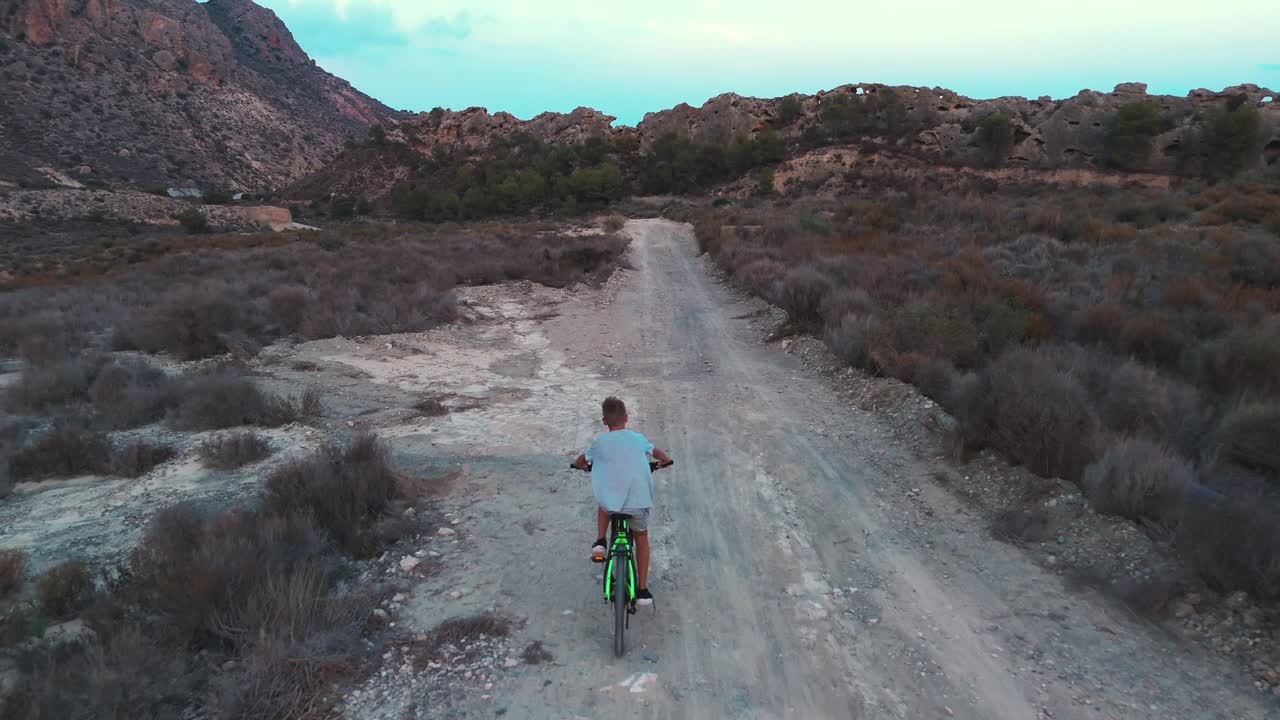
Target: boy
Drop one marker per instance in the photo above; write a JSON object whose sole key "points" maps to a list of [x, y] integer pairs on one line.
{"points": [[622, 483]]}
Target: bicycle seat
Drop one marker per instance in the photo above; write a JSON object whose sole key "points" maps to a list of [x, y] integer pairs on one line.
{"points": [[627, 516]]}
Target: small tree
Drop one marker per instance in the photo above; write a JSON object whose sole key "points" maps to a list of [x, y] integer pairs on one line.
{"points": [[789, 110], [343, 208], [1231, 138], [193, 221], [377, 134], [995, 137], [1130, 134], [764, 183]]}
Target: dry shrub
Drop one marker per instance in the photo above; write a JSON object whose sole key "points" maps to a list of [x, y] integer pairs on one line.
{"points": [[120, 674], [221, 578], [64, 451], [614, 223], [139, 458], [129, 393], [40, 338], [1138, 400], [1186, 293], [431, 407], [1153, 339], [222, 399], [759, 275], [801, 293], [234, 450], [1029, 409], [1246, 361], [1138, 479], [45, 387], [926, 328], [934, 377], [851, 339], [1101, 324], [189, 323], [65, 589], [1233, 546], [13, 571], [535, 654], [1251, 437], [458, 633], [707, 231], [311, 405], [344, 491], [288, 306], [1020, 526]]}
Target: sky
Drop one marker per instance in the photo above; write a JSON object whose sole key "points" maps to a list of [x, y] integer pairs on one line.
{"points": [[629, 58]]}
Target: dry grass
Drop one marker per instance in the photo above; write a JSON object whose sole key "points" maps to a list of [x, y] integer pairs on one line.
{"points": [[64, 451], [139, 458], [65, 589], [202, 297], [224, 398], [13, 571], [234, 450]]}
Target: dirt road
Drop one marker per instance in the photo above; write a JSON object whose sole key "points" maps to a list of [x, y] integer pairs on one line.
{"points": [[794, 577]]}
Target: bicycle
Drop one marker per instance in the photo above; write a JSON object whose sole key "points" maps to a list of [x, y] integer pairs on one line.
{"points": [[620, 569]]}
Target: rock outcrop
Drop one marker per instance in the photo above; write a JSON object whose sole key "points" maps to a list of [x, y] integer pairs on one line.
{"points": [[1048, 133], [167, 92], [474, 128]]}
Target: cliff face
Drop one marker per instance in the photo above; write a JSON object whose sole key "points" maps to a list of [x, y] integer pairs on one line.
{"points": [[167, 92]]}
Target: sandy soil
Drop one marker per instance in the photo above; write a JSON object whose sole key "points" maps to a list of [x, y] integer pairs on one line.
{"points": [[807, 563]]}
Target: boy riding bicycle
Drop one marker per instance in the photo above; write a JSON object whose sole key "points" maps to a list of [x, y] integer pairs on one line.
{"points": [[622, 483]]}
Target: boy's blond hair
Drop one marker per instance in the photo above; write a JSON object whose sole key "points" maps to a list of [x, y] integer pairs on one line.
{"points": [[613, 411]]}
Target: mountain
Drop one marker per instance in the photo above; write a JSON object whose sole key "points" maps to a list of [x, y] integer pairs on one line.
{"points": [[166, 92]]}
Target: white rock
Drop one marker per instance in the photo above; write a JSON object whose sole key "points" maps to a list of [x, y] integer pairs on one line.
{"points": [[380, 614], [433, 553], [446, 532], [510, 662], [455, 594], [399, 597], [408, 563]]}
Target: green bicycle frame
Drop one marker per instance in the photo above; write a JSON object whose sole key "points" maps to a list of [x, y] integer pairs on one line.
{"points": [[621, 542]]}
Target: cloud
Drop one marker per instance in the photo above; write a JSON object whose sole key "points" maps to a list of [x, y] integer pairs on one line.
{"points": [[459, 27], [626, 57]]}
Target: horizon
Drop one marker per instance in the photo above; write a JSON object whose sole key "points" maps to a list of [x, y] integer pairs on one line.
{"points": [[627, 62]]}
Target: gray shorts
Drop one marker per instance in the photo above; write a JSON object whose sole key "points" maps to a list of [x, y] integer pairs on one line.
{"points": [[639, 517]]}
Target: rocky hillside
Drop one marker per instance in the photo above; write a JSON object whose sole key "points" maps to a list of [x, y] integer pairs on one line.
{"points": [[929, 126], [938, 123], [166, 92]]}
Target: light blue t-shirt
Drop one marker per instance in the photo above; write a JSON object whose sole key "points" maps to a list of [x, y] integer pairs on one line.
{"points": [[620, 473]]}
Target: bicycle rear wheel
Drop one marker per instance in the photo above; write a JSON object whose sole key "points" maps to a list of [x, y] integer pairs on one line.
{"points": [[621, 596]]}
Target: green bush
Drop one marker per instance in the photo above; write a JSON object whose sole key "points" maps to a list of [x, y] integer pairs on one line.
{"points": [[789, 110], [995, 137], [193, 221], [764, 182], [1130, 134], [1225, 143]]}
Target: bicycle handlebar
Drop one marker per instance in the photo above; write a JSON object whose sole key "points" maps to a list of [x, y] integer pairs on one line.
{"points": [[653, 466]]}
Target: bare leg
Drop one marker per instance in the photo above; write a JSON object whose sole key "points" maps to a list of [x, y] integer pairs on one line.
{"points": [[602, 523], [642, 558]]}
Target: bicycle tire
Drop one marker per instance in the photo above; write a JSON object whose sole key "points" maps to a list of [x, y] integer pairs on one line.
{"points": [[621, 595]]}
